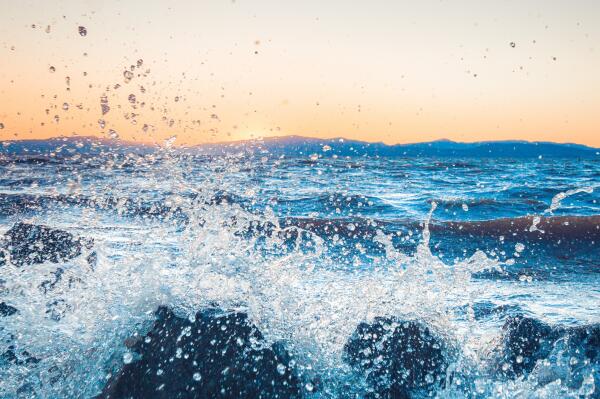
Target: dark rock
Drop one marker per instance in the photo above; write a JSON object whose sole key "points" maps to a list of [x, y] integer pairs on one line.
{"points": [[214, 355], [29, 244], [7, 310], [11, 355], [525, 341], [586, 340], [569, 354], [398, 357]]}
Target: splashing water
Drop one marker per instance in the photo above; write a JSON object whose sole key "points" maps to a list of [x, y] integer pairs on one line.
{"points": [[195, 232]]}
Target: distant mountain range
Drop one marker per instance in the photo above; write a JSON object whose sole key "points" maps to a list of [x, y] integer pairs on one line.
{"points": [[290, 146]]}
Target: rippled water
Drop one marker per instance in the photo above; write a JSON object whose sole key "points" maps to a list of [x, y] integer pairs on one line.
{"points": [[308, 249]]}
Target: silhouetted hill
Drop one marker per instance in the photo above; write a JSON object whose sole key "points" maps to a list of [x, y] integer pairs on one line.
{"points": [[297, 145], [305, 146]]}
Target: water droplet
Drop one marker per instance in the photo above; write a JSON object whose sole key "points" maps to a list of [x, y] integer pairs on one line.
{"points": [[82, 31], [169, 142], [519, 359], [127, 358], [513, 44], [176, 98], [281, 369], [52, 69], [113, 134], [1, 125], [309, 386], [128, 75], [65, 106], [197, 377], [465, 207], [573, 361], [131, 98], [140, 62], [101, 123], [48, 29]]}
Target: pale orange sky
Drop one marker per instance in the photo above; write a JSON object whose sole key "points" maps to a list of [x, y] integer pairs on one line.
{"points": [[392, 71]]}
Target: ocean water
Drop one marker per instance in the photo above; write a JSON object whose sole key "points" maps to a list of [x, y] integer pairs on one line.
{"points": [[308, 248]]}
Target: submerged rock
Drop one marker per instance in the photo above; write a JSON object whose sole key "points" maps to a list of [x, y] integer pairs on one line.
{"points": [[570, 355], [13, 356], [397, 357], [211, 355], [525, 340], [7, 310], [29, 244]]}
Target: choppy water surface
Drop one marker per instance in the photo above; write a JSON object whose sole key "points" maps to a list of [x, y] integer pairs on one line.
{"points": [[308, 248]]}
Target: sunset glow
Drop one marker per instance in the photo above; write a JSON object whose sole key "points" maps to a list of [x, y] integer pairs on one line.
{"points": [[214, 71]]}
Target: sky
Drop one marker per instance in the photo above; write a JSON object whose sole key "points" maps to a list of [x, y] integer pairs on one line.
{"points": [[379, 70]]}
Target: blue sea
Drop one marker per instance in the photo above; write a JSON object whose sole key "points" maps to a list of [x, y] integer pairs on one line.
{"points": [[170, 274]]}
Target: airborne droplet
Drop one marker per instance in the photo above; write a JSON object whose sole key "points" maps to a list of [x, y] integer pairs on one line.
{"points": [[65, 106], [1, 125], [281, 369], [52, 69], [513, 44], [128, 75], [82, 31], [113, 134], [127, 358], [169, 142], [131, 98]]}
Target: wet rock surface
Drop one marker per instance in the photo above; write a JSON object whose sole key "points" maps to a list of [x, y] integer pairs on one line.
{"points": [[525, 340], [6, 309], [29, 244], [211, 355], [398, 358], [571, 355]]}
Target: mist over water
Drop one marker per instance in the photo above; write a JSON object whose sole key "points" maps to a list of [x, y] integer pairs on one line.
{"points": [[309, 248]]}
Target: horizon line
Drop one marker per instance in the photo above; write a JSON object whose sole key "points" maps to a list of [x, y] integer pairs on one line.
{"points": [[275, 138]]}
